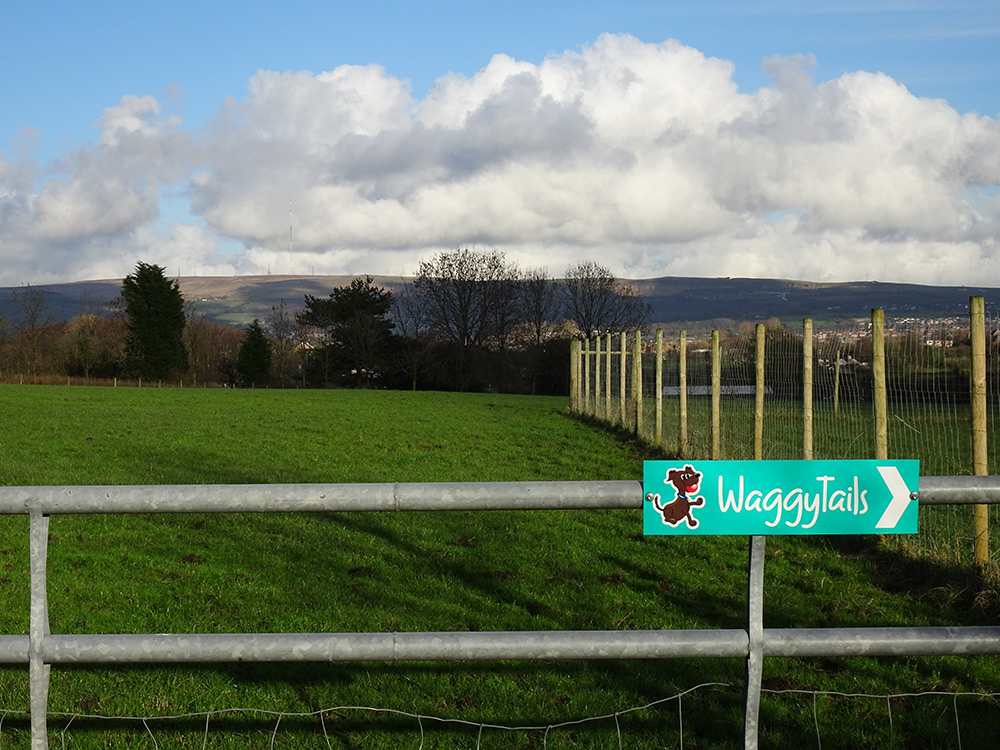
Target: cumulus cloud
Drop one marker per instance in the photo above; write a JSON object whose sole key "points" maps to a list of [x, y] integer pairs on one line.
{"points": [[85, 215], [645, 157]]}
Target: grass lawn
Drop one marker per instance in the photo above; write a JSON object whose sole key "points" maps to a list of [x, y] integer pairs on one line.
{"points": [[375, 572]]}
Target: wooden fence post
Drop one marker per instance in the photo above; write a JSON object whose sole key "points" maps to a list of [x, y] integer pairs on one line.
{"points": [[597, 376], [807, 389], [637, 382], [682, 383], [659, 387], [977, 334], [574, 375], [881, 397], [716, 395], [836, 386], [586, 376], [607, 383], [758, 411], [624, 344]]}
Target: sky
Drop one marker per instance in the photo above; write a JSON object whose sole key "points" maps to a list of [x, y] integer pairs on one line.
{"points": [[819, 140]]}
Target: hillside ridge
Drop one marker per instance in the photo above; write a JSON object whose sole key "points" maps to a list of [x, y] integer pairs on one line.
{"points": [[674, 300]]}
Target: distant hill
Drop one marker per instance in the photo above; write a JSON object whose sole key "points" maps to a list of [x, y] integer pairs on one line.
{"points": [[675, 300]]}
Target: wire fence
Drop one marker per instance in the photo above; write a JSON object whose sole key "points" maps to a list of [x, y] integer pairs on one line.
{"points": [[742, 395], [924, 719]]}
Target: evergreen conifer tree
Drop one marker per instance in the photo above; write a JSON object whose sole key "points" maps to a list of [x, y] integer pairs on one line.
{"points": [[253, 361], [154, 345]]}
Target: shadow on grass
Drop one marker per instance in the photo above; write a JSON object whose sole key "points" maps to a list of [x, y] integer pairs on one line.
{"points": [[942, 592], [637, 446]]}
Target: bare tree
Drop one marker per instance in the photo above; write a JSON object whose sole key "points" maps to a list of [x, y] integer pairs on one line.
{"points": [[80, 341], [34, 315], [539, 305], [598, 303], [212, 349], [286, 336], [409, 314], [470, 299]]}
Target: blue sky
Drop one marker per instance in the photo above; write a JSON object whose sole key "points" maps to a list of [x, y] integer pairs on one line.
{"points": [[181, 133]]}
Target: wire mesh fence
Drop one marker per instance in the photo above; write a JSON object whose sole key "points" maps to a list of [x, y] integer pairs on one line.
{"points": [[792, 718], [741, 395]]}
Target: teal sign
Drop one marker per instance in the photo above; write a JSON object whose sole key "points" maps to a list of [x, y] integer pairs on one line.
{"points": [[780, 497]]}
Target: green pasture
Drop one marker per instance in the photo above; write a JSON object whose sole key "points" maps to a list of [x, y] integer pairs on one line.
{"points": [[496, 570]]}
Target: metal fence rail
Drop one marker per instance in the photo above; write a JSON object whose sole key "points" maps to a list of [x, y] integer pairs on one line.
{"points": [[40, 649]]}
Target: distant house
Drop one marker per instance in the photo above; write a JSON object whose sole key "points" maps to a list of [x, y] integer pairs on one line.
{"points": [[724, 390]]}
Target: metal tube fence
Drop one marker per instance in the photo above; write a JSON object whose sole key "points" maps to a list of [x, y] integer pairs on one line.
{"points": [[41, 649]]}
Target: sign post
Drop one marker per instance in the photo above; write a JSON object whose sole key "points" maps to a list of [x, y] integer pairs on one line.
{"points": [[760, 498]]}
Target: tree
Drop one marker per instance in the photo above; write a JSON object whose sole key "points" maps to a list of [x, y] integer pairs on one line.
{"points": [[410, 317], [356, 330], [80, 342], [212, 350], [253, 362], [285, 337], [471, 303], [598, 303], [540, 305], [154, 345], [536, 334], [34, 316]]}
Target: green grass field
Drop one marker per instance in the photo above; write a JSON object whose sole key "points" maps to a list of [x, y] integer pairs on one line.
{"points": [[484, 571]]}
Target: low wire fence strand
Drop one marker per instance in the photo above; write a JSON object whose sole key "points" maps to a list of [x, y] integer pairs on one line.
{"points": [[148, 722], [895, 719], [888, 698]]}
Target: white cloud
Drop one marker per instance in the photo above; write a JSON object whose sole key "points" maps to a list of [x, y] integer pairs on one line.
{"points": [[645, 157], [133, 115]]}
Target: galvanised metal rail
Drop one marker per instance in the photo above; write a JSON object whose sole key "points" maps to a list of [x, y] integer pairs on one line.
{"points": [[40, 649]]}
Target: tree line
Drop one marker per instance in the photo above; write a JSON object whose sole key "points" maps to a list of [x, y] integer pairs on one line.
{"points": [[468, 320]]}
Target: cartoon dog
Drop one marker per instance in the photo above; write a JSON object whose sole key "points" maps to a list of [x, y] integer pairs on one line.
{"points": [[686, 482]]}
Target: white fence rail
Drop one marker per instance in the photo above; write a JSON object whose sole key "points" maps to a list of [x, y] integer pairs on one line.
{"points": [[41, 649]]}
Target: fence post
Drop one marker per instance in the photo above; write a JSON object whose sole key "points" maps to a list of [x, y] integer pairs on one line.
{"points": [[659, 387], [807, 389], [716, 394], [881, 400], [38, 626], [574, 375], [637, 382], [758, 411], [597, 375], [755, 633], [682, 383], [977, 334], [624, 344], [586, 375], [836, 386], [607, 384]]}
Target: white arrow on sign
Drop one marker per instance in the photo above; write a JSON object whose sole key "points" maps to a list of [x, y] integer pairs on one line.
{"points": [[900, 497]]}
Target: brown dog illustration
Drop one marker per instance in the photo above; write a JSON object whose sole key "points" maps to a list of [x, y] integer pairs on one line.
{"points": [[686, 482]]}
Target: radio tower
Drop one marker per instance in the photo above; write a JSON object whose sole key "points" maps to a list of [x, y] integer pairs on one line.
{"points": [[290, 266]]}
